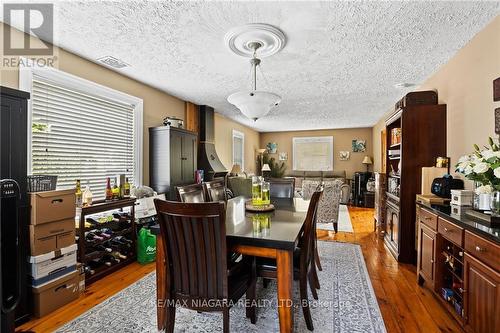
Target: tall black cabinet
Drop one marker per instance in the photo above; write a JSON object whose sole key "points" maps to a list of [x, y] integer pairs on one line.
{"points": [[13, 165], [360, 180], [172, 159]]}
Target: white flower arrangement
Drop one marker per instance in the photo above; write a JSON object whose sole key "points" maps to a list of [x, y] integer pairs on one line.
{"points": [[482, 166]]}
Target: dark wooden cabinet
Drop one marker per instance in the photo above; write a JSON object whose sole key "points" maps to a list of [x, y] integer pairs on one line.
{"points": [[172, 159], [13, 165], [380, 198], [465, 265], [426, 254], [422, 138], [482, 297], [392, 227]]}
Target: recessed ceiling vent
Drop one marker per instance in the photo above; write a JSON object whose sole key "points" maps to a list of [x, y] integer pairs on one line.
{"points": [[112, 62]]}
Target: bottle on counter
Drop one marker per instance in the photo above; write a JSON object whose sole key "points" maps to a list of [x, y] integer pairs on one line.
{"points": [[109, 191], [78, 194], [87, 195], [126, 189], [115, 191]]}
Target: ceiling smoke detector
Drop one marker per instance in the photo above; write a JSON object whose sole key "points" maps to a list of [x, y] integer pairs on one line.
{"points": [[113, 62]]}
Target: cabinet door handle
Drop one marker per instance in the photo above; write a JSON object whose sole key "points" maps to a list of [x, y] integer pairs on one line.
{"points": [[446, 230], [479, 249], [432, 261], [427, 218]]}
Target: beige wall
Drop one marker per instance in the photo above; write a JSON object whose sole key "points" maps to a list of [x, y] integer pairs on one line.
{"points": [[224, 146], [157, 104], [464, 84], [342, 140]]}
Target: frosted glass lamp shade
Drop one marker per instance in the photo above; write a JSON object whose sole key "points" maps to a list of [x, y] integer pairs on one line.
{"points": [[254, 104]]}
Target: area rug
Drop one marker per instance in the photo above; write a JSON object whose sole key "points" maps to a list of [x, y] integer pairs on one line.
{"points": [[344, 223], [346, 303]]}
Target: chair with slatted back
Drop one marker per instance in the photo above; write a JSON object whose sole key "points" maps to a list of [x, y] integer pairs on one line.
{"points": [[303, 259], [193, 193], [195, 265], [215, 190]]}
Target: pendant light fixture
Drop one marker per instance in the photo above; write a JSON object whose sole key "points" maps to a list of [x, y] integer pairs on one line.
{"points": [[249, 40]]}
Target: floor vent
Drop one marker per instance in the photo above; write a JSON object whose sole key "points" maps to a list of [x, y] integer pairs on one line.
{"points": [[112, 62]]}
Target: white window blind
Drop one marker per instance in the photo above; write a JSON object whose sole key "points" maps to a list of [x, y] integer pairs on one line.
{"points": [[76, 135]]}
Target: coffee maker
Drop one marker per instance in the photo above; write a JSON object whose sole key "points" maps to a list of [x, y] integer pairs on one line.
{"points": [[10, 259]]}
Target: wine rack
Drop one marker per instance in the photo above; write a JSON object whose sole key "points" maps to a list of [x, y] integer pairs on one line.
{"points": [[451, 284], [120, 232]]}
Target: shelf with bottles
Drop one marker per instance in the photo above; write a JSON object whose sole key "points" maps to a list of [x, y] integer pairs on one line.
{"points": [[106, 237], [452, 281]]}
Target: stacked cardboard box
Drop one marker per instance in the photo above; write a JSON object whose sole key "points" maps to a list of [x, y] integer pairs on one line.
{"points": [[53, 266]]}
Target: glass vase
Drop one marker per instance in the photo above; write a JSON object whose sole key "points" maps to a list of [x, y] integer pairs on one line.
{"points": [[495, 204]]}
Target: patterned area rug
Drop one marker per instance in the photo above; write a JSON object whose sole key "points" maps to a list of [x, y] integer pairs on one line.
{"points": [[344, 223], [346, 303]]}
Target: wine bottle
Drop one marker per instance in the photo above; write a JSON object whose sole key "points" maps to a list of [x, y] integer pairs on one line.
{"points": [[126, 189], [104, 248], [88, 270], [115, 191], [118, 255], [90, 236], [123, 239], [109, 192], [78, 194]]}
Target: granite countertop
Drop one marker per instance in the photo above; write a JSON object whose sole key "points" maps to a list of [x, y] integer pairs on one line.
{"points": [[444, 211]]}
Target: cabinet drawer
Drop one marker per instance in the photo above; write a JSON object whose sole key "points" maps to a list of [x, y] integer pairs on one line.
{"points": [[482, 249], [451, 232], [428, 218]]}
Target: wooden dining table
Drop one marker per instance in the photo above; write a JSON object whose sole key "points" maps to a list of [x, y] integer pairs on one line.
{"points": [[272, 235]]}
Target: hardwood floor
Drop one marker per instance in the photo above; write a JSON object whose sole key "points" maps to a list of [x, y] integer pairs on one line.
{"points": [[405, 306]]}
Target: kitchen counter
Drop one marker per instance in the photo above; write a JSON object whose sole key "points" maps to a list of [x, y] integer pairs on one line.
{"points": [[444, 211]]}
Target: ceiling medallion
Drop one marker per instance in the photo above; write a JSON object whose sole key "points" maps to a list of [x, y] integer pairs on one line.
{"points": [[249, 41]]}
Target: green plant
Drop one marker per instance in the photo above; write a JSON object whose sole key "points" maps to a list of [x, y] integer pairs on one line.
{"points": [[278, 169]]}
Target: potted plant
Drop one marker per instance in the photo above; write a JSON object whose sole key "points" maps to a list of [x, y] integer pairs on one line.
{"points": [[483, 167]]}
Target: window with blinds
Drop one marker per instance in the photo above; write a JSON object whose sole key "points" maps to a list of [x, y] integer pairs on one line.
{"points": [[76, 135]]}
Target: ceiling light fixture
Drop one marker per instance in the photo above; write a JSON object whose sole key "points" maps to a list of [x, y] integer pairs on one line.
{"points": [[247, 41]]}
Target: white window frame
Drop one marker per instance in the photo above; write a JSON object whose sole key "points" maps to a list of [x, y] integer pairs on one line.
{"points": [[29, 69], [240, 135], [313, 139]]}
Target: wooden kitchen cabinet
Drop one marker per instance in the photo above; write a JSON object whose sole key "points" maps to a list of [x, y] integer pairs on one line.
{"points": [[482, 297], [391, 235], [426, 255]]}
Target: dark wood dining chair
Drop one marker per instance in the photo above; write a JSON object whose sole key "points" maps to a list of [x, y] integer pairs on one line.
{"points": [[303, 259], [215, 190], [196, 270], [193, 193], [282, 187]]}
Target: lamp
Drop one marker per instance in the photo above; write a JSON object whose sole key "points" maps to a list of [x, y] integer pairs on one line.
{"points": [[235, 170], [265, 168], [260, 156], [367, 161], [254, 104]]}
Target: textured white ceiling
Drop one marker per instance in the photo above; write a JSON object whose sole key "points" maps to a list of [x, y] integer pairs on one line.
{"points": [[337, 70]]}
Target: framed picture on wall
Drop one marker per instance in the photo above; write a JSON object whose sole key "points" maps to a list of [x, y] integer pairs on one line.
{"points": [[358, 146], [283, 156], [344, 155]]}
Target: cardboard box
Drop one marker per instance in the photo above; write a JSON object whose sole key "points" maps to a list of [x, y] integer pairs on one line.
{"points": [[51, 236], [53, 295], [49, 266], [52, 206]]}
